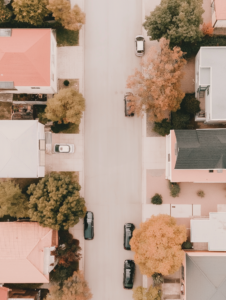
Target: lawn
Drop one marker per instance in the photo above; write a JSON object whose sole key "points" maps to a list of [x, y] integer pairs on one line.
{"points": [[5, 110], [67, 37], [65, 128]]}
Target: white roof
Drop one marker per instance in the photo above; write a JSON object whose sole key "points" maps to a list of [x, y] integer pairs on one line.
{"points": [[140, 45], [19, 148]]}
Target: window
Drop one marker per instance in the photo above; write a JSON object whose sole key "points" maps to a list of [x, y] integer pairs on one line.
{"points": [[210, 171]]}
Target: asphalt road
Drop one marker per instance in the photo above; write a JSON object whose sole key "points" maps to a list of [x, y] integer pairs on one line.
{"points": [[112, 142]]}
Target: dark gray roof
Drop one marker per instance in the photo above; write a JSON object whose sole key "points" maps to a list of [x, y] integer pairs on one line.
{"points": [[201, 149], [205, 277]]}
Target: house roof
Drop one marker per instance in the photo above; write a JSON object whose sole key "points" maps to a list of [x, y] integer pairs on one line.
{"points": [[220, 9], [4, 293], [22, 252], [25, 57], [205, 277], [19, 148], [201, 149]]}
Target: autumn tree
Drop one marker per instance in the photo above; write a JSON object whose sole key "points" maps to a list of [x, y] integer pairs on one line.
{"points": [[66, 107], [75, 288], [152, 293], [156, 89], [176, 20], [12, 201], [71, 19], [207, 29], [55, 202], [157, 245], [30, 11], [5, 13]]}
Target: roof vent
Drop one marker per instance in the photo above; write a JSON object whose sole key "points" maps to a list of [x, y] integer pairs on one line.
{"points": [[5, 32], [6, 85]]}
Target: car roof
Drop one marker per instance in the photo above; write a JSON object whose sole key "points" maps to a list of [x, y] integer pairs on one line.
{"points": [[140, 45]]}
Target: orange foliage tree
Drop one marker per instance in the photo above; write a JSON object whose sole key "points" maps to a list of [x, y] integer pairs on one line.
{"points": [[157, 245], [207, 29], [156, 88]]}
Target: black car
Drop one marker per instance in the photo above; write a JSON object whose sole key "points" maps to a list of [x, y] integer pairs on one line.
{"points": [[128, 103], [128, 275], [128, 233], [89, 226]]}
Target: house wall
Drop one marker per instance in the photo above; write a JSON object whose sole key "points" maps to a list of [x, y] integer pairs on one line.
{"points": [[220, 24], [197, 64], [41, 136], [53, 62]]}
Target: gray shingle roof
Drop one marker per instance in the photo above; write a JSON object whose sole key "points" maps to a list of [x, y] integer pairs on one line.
{"points": [[201, 149], [205, 277]]}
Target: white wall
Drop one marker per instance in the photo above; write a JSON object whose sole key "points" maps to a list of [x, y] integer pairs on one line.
{"points": [[53, 62], [197, 64], [220, 23]]}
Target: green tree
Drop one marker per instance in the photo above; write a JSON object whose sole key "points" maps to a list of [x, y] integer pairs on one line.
{"points": [[66, 107], [5, 13], [30, 11], [190, 104], [12, 201], [163, 127], [55, 202], [176, 20]]}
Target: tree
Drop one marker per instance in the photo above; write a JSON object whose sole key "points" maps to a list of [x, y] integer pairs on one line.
{"points": [[157, 245], [74, 288], [207, 29], [176, 20], [163, 127], [190, 104], [71, 19], [141, 293], [12, 201], [5, 13], [30, 11], [55, 202], [67, 106], [157, 88]]}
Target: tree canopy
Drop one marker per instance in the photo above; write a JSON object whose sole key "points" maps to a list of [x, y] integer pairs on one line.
{"points": [[30, 11], [71, 19], [152, 293], [67, 106], [156, 89], [176, 20], [12, 201], [157, 245], [55, 202], [5, 13]]}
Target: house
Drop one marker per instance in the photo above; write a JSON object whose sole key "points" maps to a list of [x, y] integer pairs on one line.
{"points": [[25, 252], [196, 156], [22, 151], [210, 78], [28, 61], [218, 13]]}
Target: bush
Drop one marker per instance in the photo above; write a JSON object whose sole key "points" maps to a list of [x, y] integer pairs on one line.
{"points": [[200, 194], [157, 279], [187, 245], [156, 199], [174, 189], [179, 120], [66, 82], [163, 127], [190, 104]]}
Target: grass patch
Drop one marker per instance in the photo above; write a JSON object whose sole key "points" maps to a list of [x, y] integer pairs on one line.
{"points": [[67, 37], [5, 110], [65, 128]]}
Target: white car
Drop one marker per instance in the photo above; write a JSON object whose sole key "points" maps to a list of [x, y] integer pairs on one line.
{"points": [[64, 148], [139, 45]]}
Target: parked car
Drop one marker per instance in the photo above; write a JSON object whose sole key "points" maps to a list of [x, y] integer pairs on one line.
{"points": [[139, 45], [64, 148], [89, 226], [128, 102], [128, 233], [129, 273]]}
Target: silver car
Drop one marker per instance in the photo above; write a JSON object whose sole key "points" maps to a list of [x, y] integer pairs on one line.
{"points": [[64, 148], [139, 45]]}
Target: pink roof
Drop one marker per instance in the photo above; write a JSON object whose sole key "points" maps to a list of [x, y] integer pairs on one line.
{"points": [[25, 57], [22, 252], [191, 175], [3, 293], [220, 9]]}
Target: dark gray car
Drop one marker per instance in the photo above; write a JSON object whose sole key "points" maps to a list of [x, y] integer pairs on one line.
{"points": [[129, 273], [89, 226], [128, 233]]}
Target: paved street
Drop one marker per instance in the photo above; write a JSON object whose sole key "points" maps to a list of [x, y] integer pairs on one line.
{"points": [[112, 142]]}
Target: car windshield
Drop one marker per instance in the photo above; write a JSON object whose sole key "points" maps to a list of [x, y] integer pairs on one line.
{"points": [[57, 148]]}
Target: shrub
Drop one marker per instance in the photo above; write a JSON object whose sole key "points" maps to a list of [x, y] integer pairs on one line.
{"points": [[187, 245], [174, 189], [207, 29], [163, 127], [179, 120], [157, 278], [190, 104], [66, 82], [156, 199], [201, 194]]}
